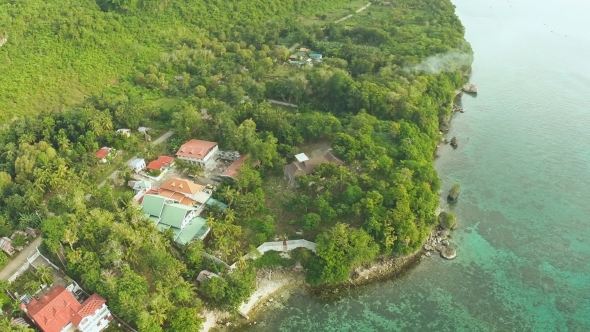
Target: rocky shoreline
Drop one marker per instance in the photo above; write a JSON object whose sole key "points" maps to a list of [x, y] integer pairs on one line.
{"points": [[383, 268]]}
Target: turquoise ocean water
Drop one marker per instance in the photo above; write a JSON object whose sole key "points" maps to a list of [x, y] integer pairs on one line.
{"points": [[524, 164]]}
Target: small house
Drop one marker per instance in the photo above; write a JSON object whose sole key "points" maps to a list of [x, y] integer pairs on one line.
{"points": [[293, 57], [143, 129], [161, 163], [6, 246], [303, 49], [316, 57], [306, 166], [140, 186], [206, 275], [137, 165], [124, 132], [103, 154]]}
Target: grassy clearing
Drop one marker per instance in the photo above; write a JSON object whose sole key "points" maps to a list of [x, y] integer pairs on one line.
{"points": [[277, 191], [373, 13], [281, 71], [166, 103], [335, 14]]}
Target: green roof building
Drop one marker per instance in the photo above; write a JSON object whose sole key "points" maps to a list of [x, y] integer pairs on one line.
{"points": [[181, 219]]}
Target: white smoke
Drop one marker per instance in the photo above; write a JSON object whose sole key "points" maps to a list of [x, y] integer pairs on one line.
{"points": [[450, 61]]}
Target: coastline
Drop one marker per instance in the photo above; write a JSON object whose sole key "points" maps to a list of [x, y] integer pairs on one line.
{"points": [[270, 283], [287, 281]]}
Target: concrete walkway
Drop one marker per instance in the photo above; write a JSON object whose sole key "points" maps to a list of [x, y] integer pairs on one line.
{"points": [[273, 101], [16, 263]]}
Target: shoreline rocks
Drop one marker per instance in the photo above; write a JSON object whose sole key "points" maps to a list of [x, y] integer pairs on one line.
{"points": [[457, 108], [454, 142], [454, 192], [469, 88], [448, 253]]}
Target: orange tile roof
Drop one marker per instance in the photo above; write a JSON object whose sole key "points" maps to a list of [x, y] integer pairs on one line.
{"points": [[102, 153], [160, 162], [182, 186], [176, 196], [93, 303], [232, 170], [59, 308], [196, 149]]}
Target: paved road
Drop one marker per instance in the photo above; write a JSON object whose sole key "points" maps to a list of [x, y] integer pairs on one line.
{"points": [[16, 263], [163, 138], [160, 139]]}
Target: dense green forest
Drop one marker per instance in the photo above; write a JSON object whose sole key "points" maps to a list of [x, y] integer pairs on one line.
{"points": [[73, 71]]}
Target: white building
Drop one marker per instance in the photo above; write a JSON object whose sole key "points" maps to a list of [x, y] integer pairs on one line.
{"points": [[197, 152], [137, 165], [124, 132]]}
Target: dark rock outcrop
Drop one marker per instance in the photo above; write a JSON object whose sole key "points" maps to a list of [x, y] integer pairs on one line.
{"points": [[454, 192], [454, 142]]}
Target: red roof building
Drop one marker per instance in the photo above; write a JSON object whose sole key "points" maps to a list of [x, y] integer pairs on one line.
{"points": [[232, 170], [198, 152], [102, 154], [59, 309], [160, 163]]}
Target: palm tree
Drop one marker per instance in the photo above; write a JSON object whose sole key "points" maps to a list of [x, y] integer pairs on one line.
{"points": [[159, 305], [44, 274], [230, 196], [242, 264], [18, 328], [151, 151], [70, 237], [9, 150], [230, 215], [64, 143], [25, 220], [6, 324], [32, 199], [15, 308], [61, 171]]}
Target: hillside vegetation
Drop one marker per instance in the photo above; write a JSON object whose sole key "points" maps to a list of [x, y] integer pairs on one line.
{"points": [[60, 51], [76, 70]]}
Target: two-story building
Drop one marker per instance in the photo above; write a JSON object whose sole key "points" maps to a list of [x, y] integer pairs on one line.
{"points": [[168, 214], [197, 152], [59, 311]]}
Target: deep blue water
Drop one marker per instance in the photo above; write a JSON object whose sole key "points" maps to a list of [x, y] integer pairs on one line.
{"points": [[524, 212]]}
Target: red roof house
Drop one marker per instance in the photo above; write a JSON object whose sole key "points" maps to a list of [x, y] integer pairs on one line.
{"points": [[102, 154], [58, 309], [160, 163]]}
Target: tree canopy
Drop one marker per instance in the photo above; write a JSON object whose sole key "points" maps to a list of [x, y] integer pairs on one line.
{"points": [[75, 71]]}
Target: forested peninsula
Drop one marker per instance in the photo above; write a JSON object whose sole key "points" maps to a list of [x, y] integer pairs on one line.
{"points": [[381, 84]]}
